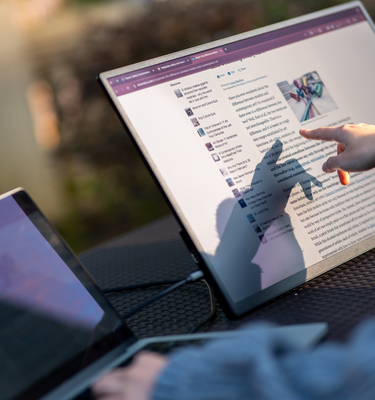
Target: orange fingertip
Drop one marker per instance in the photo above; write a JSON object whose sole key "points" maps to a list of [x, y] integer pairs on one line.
{"points": [[344, 177]]}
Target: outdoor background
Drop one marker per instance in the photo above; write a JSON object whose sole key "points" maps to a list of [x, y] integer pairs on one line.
{"points": [[59, 138]]}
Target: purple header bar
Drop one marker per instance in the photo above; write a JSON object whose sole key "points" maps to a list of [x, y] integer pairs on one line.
{"points": [[184, 66]]}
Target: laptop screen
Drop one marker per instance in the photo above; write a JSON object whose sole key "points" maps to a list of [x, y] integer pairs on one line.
{"points": [[218, 126], [54, 321]]}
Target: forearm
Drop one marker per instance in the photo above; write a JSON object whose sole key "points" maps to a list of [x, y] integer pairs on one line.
{"points": [[263, 365], [243, 368]]}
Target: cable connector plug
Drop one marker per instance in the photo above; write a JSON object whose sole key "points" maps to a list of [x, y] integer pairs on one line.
{"points": [[194, 276]]}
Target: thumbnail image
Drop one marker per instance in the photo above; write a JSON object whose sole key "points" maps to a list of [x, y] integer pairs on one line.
{"points": [[242, 203], [194, 121], [224, 171], [250, 217], [201, 132], [178, 93], [215, 157], [257, 229], [230, 182], [236, 193], [189, 112], [307, 96], [209, 146]]}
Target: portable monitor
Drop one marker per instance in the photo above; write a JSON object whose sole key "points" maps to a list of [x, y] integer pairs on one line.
{"points": [[218, 127]]}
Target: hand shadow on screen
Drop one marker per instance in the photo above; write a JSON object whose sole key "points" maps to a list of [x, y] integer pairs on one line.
{"points": [[249, 256]]}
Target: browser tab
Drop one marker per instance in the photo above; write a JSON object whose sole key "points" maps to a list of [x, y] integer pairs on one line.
{"points": [[207, 55], [172, 65]]}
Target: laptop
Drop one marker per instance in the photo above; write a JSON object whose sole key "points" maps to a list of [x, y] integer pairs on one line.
{"points": [[217, 125], [58, 331]]}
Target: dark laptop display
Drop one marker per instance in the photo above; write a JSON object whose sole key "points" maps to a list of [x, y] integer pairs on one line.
{"points": [[52, 325], [218, 127]]}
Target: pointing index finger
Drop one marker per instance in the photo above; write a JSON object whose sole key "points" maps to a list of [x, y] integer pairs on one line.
{"points": [[327, 134]]}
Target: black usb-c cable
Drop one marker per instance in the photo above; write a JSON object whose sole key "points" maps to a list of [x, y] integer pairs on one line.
{"points": [[193, 277]]}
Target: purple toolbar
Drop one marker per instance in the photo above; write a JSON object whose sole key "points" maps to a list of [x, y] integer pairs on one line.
{"points": [[191, 64]]}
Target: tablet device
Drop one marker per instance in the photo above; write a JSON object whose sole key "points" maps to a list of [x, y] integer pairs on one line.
{"points": [[58, 330], [218, 124]]}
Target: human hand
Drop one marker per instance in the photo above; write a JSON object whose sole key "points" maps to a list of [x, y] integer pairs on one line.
{"points": [[355, 148], [135, 382]]}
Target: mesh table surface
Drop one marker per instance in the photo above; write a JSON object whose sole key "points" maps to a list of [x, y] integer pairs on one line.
{"points": [[341, 297]]}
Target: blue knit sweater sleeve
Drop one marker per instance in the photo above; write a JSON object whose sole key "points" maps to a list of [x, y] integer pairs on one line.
{"points": [[264, 365]]}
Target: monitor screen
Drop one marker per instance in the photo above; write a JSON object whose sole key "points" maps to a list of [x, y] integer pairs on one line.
{"points": [[218, 125]]}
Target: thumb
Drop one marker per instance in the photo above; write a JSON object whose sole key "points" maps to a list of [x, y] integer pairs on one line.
{"points": [[343, 175], [331, 165]]}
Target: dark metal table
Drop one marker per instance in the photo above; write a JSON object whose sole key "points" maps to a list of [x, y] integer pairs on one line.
{"points": [[342, 297]]}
